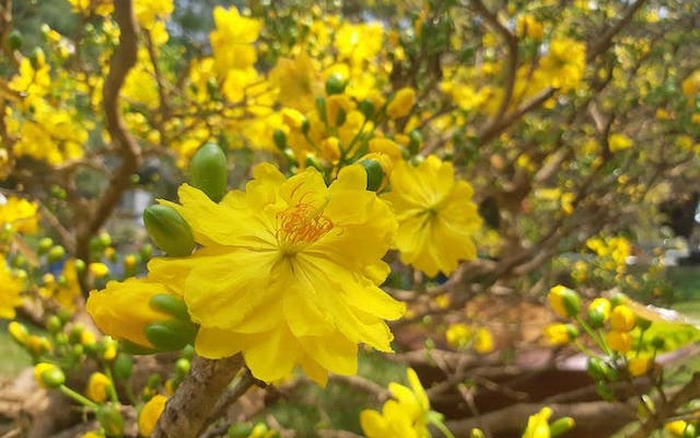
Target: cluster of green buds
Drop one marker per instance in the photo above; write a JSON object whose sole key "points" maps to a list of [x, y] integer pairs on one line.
{"points": [[171, 233], [615, 329]]}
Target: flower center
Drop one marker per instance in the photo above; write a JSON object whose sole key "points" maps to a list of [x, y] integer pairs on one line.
{"points": [[301, 224]]}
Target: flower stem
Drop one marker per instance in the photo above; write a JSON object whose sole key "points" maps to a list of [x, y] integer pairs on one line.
{"points": [[78, 397]]}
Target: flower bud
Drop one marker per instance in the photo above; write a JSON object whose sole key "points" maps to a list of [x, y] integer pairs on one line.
{"points": [[402, 103], [561, 425], [280, 139], [622, 318], [45, 244], [598, 312], [123, 366], [56, 253], [170, 335], [477, 433], [619, 341], [48, 375], [375, 174], [239, 430], [15, 40], [149, 415], [169, 230], [598, 369], [98, 387], [321, 109], [335, 84], [209, 171], [414, 142], [111, 420], [564, 301], [19, 332], [366, 107]]}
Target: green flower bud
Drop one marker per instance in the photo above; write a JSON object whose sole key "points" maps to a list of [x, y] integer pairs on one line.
{"points": [[209, 171], [561, 425], [414, 142], [170, 335], [690, 431], [239, 430], [123, 366], [188, 352], [182, 368], [131, 348], [367, 109], [375, 174], [37, 58], [169, 230], [111, 420], [54, 324], [335, 84], [477, 433], [146, 252], [170, 304], [104, 239], [280, 139], [15, 40], [154, 381], [80, 266], [340, 117], [49, 375], [45, 243], [604, 391], [321, 109], [305, 126], [598, 369], [643, 323], [56, 253]]}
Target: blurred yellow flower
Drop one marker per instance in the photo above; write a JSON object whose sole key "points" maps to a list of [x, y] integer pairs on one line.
{"points": [[622, 318], [564, 301], [10, 293], [619, 142], [406, 415], [150, 413], [538, 424], [307, 258], [402, 103], [563, 65], [19, 214], [619, 341], [437, 217]]}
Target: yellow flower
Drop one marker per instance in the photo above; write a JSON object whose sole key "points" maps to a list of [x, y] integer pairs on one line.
{"points": [[92, 434], [98, 387], [150, 413], [619, 142], [10, 291], [676, 428], [20, 214], [232, 41], [622, 318], [297, 268], [557, 334], [98, 269], [538, 424], [563, 65], [406, 415], [599, 311], [402, 103], [483, 341], [458, 335], [122, 309], [527, 25], [437, 218], [639, 366], [619, 341]]}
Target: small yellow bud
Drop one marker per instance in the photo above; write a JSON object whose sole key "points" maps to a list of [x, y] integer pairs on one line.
{"points": [[18, 332], [402, 103], [98, 387], [48, 375], [564, 301]]}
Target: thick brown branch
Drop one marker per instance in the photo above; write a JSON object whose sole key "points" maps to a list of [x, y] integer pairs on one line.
{"points": [[189, 411]]}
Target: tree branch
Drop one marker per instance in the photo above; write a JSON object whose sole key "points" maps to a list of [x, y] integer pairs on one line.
{"points": [[122, 61], [189, 411]]}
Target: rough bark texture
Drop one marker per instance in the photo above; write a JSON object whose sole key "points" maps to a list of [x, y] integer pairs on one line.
{"points": [[188, 411]]}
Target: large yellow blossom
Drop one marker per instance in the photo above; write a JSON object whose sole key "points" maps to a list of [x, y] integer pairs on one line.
{"points": [[437, 218], [288, 272]]}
